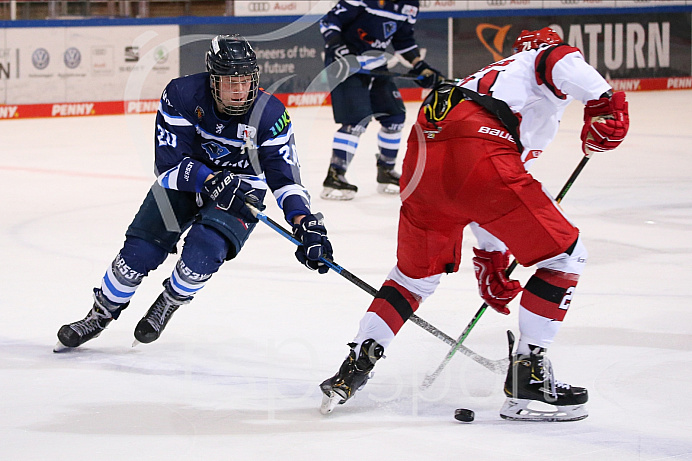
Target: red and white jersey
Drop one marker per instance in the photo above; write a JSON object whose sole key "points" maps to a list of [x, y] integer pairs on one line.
{"points": [[537, 85]]}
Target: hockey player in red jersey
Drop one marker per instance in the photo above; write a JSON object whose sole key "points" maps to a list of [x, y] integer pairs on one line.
{"points": [[465, 165]]}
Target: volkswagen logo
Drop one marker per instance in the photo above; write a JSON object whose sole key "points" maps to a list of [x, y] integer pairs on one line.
{"points": [[40, 58], [72, 58]]}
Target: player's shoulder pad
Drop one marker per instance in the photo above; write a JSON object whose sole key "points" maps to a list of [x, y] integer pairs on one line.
{"points": [[410, 8], [275, 117], [183, 92]]}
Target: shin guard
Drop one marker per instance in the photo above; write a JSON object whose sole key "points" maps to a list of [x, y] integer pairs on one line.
{"points": [[394, 304], [544, 303]]}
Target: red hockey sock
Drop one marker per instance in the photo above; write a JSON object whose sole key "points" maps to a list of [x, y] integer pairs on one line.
{"points": [[548, 293], [394, 304]]}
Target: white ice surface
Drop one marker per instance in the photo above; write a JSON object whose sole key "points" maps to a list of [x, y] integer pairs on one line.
{"points": [[236, 373]]}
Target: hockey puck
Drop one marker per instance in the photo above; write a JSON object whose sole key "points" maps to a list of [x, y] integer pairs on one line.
{"points": [[464, 415]]}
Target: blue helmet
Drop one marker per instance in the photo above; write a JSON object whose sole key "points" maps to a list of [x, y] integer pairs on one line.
{"points": [[232, 56]]}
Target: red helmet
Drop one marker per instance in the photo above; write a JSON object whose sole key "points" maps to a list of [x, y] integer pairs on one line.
{"points": [[532, 39]]}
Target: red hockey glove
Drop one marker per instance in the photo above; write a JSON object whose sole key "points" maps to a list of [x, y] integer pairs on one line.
{"points": [[493, 285], [606, 121]]}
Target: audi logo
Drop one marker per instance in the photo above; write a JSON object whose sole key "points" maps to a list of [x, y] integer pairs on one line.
{"points": [[258, 7]]}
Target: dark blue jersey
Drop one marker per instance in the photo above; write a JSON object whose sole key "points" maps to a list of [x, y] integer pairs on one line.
{"points": [[193, 141], [371, 25]]}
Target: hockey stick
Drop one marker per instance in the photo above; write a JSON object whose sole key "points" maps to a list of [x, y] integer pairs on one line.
{"points": [[384, 73], [497, 366], [429, 379]]}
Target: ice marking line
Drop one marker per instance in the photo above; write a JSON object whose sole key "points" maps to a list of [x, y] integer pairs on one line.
{"points": [[76, 173]]}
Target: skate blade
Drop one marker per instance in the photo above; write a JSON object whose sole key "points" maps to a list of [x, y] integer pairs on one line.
{"points": [[135, 343], [329, 401], [329, 193], [388, 189], [60, 347], [518, 410]]}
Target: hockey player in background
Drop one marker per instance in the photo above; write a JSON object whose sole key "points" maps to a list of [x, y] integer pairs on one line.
{"points": [[465, 165], [220, 141], [356, 34]]}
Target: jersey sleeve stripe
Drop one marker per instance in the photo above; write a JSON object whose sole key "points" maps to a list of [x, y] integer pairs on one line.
{"points": [[545, 62], [258, 182], [169, 179], [172, 119], [387, 14], [281, 139], [405, 50]]}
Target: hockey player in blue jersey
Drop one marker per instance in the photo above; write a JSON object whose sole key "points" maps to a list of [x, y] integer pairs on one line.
{"points": [[220, 141], [357, 34]]}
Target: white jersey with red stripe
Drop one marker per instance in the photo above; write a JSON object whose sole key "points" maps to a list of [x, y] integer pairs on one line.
{"points": [[537, 85]]}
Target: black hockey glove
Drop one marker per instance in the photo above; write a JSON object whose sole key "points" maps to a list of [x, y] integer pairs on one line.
{"points": [[230, 193], [314, 242], [427, 76], [334, 45], [340, 60]]}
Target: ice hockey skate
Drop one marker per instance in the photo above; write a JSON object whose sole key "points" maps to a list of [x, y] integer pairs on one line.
{"points": [[336, 187], [352, 375], [77, 333], [387, 180], [150, 327], [533, 394]]}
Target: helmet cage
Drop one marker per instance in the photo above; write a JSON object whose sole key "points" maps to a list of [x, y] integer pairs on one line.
{"points": [[217, 82], [533, 39], [230, 57]]}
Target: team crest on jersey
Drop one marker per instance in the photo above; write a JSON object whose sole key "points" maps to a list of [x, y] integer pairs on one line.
{"points": [[389, 28], [214, 150], [199, 112]]}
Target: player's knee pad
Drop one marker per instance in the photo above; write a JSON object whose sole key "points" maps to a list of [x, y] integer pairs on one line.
{"points": [[421, 288], [355, 130], [139, 256], [393, 123], [205, 250], [572, 261], [548, 293]]}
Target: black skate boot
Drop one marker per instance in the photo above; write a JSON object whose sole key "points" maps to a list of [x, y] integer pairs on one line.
{"points": [[336, 187], [101, 314], [352, 375], [154, 321], [530, 379], [387, 179]]}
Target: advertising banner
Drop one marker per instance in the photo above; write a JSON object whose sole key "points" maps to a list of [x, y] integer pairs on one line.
{"points": [[291, 55], [86, 64], [633, 51], [281, 7]]}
